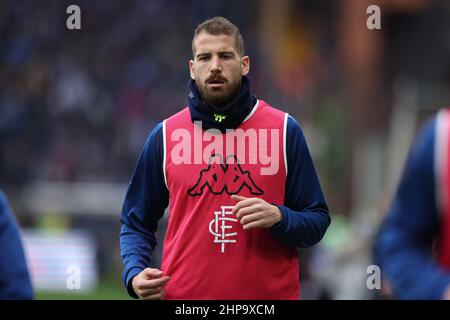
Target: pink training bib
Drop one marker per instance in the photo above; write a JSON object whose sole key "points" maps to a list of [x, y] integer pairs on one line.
{"points": [[207, 253]]}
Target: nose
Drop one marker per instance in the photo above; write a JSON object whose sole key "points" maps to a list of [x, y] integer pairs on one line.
{"points": [[215, 67]]}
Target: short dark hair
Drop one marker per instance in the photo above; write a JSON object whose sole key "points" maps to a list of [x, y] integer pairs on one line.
{"points": [[217, 26]]}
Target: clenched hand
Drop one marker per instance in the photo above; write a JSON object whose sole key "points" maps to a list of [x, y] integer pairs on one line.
{"points": [[149, 284], [255, 212]]}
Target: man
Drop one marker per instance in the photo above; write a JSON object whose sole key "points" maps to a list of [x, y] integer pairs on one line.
{"points": [[241, 185], [413, 245], [14, 277]]}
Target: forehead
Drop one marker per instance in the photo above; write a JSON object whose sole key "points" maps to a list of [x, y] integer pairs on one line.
{"points": [[208, 43]]}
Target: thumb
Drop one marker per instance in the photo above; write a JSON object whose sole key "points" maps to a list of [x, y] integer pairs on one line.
{"points": [[238, 198]]}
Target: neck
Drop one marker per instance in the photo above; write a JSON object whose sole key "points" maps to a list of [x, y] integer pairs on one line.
{"points": [[232, 113]]}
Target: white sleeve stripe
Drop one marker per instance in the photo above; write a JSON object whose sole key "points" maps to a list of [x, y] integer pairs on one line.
{"points": [[164, 152], [286, 116]]}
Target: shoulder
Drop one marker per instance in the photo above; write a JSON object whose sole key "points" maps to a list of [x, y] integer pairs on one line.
{"points": [[293, 126], [180, 115], [3, 200], [155, 139], [291, 123], [424, 144], [270, 110], [421, 164], [154, 142], [4, 204], [6, 216], [156, 133]]}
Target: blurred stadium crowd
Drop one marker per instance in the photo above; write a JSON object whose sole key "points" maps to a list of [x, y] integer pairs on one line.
{"points": [[77, 106]]}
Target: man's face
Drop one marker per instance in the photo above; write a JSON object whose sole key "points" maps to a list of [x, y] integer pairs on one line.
{"points": [[217, 68]]}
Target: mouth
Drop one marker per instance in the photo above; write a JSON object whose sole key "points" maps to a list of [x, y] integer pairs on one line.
{"points": [[216, 83]]}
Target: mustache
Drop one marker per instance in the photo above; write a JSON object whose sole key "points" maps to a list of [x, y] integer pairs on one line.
{"points": [[215, 79]]}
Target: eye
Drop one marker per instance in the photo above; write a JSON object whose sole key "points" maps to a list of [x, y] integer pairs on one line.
{"points": [[202, 58]]}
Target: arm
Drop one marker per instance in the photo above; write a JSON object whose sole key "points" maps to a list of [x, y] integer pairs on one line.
{"points": [[14, 277], [403, 246], [144, 205], [304, 217]]}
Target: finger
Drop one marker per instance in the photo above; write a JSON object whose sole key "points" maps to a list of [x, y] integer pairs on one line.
{"points": [[244, 203], [151, 273], [251, 218], [153, 283], [238, 198], [254, 225], [149, 292], [156, 296], [242, 212]]}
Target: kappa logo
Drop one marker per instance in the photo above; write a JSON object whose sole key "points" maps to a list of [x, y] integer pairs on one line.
{"points": [[219, 178]]}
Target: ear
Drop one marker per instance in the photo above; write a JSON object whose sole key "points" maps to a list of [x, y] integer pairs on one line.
{"points": [[191, 69], [245, 65]]}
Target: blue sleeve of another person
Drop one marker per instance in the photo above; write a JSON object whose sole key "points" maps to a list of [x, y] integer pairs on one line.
{"points": [[403, 245], [145, 201], [14, 276], [304, 216]]}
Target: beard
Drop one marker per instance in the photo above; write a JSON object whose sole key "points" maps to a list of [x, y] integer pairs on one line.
{"points": [[218, 97]]}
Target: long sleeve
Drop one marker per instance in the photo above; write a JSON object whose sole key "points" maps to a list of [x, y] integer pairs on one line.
{"points": [[403, 246], [304, 216], [145, 201], [14, 276]]}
